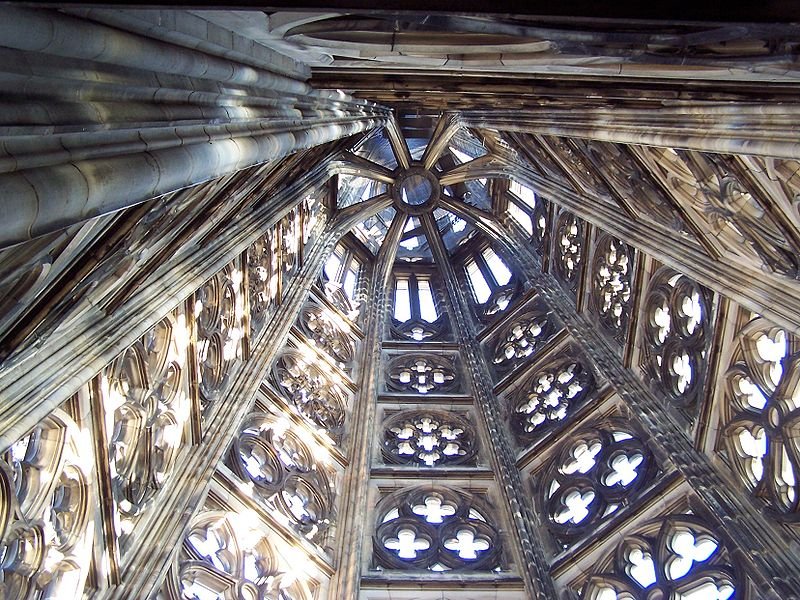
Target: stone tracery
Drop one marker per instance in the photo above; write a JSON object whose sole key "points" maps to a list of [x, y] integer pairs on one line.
{"points": [[429, 438], [437, 529], [311, 392], [422, 374], [762, 407], [677, 335], [674, 557], [548, 397], [284, 473], [600, 470]]}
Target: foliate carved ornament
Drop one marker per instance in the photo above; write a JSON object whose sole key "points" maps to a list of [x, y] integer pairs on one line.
{"points": [[437, 529], [762, 408], [310, 391], [281, 466], [429, 438], [422, 374]]}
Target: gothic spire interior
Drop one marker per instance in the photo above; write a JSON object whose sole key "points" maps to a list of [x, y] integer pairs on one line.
{"points": [[324, 302]]}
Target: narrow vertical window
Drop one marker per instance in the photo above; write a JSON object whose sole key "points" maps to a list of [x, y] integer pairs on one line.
{"points": [[479, 285], [427, 307], [498, 268], [351, 278], [402, 301], [333, 263], [521, 217], [524, 193]]}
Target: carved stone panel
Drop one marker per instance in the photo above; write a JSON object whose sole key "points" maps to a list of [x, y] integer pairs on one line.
{"points": [[46, 512], [598, 471], [438, 529], [284, 473], [422, 373], [145, 395], [310, 391], [762, 415], [676, 335], [547, 397], [677, 556], [429, 438]]}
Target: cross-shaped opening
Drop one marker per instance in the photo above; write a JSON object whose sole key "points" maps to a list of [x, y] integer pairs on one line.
{"points": [[466, 544], [407, 544]]}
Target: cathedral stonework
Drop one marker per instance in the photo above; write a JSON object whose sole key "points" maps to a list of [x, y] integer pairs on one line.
{"points": [[333, 303]]}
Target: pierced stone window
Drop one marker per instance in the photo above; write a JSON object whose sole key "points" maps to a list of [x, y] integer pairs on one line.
{"points": [[416, 314], [436, 529], [610, 296], [762, 402], [284, 474], [290, 232], [492, 283], [342, 275], [328, 332], [228, 555], [677, 334], [548, 397], [262, 272], [600, 470], [429, 438], [674, 557], [568, 250], [522, 202], [422, 374], [311, 392], [147, 409], [522, 337], [218, 318], [46, 521]]}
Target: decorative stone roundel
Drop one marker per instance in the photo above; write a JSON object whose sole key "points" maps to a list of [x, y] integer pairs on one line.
{"points": [[46, 524], [284, 473], [428, 438], [522, 337], [323, 331], [611, 284], [310, 391], [421, 374], [548, 397], [437, 529], [599, 470], [673, 557], [225, 557], [762, 408], [676, 335]]}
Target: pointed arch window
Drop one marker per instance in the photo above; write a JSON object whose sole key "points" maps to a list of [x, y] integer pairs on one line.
{"points": [[416, 314], [522, 203], [343, 269], [414, 299], [492, 282]]}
